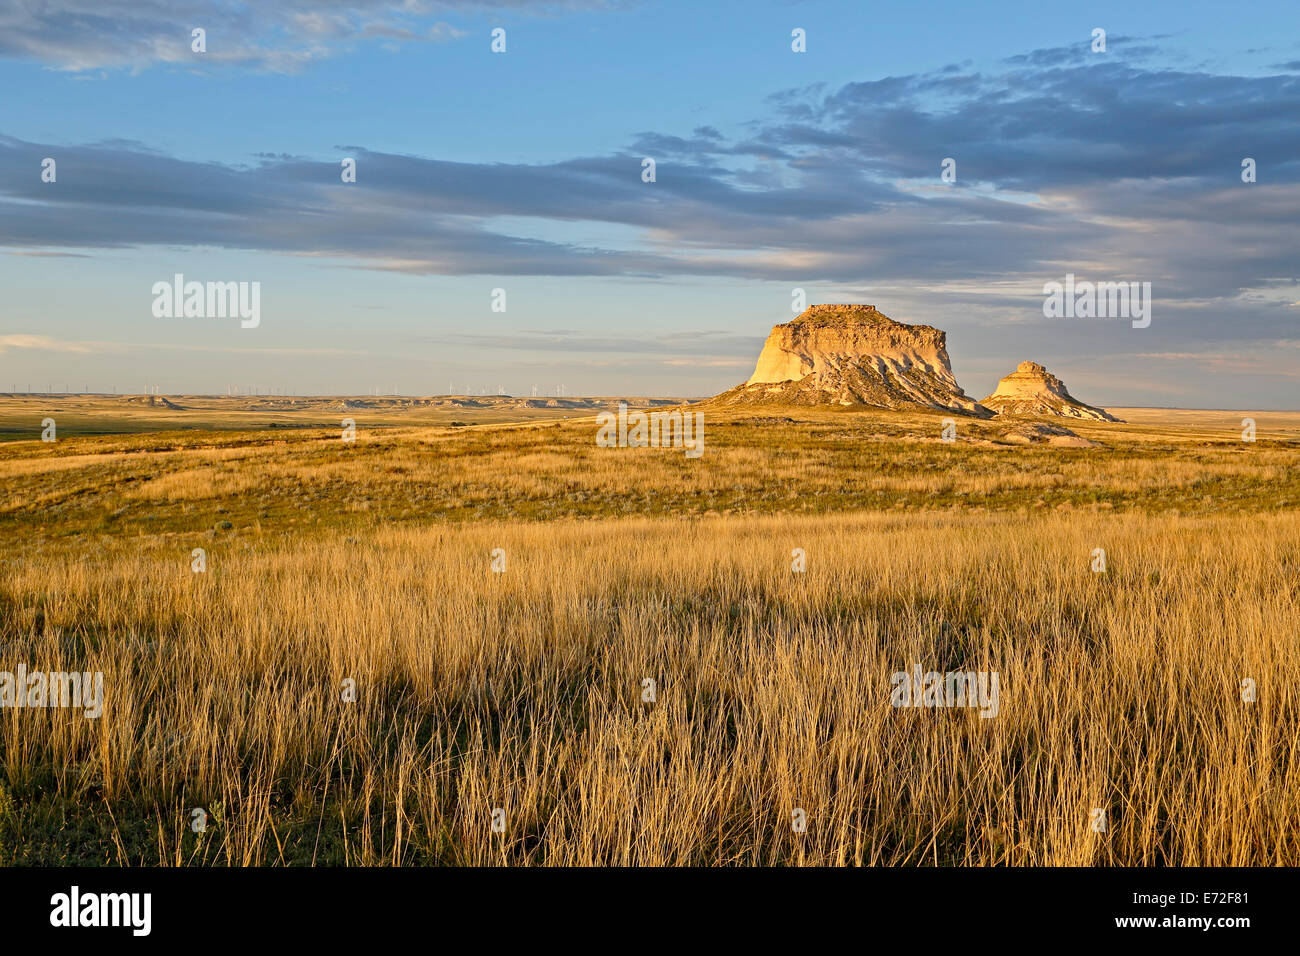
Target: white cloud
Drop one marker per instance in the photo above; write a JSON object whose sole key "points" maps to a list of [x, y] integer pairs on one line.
{"points": [[41, 343]]}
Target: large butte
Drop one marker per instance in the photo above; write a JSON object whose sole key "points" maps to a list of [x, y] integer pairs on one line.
{"points": [[854, 355]]}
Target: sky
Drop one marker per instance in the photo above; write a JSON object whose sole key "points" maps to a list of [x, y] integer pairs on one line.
{"points": [[524, 171]]}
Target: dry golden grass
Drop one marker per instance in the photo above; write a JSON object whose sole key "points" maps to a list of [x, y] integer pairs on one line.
{"points": [[180, 482], [522, 690]]}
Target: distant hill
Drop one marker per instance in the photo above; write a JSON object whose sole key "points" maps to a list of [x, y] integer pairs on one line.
{"points": [[150, 401]]}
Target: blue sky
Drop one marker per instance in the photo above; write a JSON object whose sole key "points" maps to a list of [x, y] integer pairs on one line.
{"points": [[522, 171]]}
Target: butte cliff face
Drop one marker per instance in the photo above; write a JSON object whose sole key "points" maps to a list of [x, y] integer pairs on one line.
{"points": [[1033, 390], [854, 355]]}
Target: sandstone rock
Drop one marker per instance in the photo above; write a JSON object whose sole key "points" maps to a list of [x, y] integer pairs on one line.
{"points": [[150, 401], [1033, 390], [853, 355], [1041, 433]]}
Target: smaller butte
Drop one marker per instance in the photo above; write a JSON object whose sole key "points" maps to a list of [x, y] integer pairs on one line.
{"points": [[1034, 391]]}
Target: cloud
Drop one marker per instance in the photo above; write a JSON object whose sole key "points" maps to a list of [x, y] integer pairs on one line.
{"points": [[1111, 167], [695, 343], [283, 36], [43, 343]]}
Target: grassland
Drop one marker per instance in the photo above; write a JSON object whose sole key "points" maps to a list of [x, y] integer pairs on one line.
{"points": [[369, 561]]}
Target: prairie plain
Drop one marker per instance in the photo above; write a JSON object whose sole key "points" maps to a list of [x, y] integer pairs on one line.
{"points": [[350, 681]]}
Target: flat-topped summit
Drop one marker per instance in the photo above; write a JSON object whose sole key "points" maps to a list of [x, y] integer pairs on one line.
{"points": [[854, 355], [1032, 390]]}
